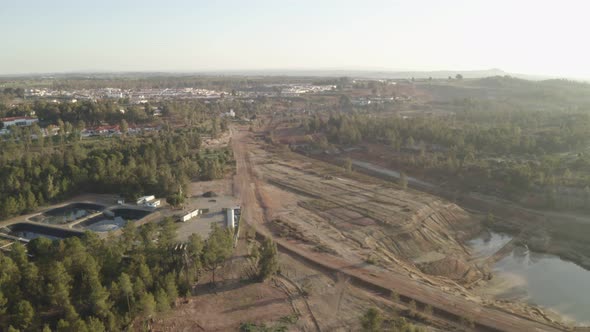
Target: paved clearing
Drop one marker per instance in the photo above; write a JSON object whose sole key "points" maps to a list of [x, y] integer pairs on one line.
{"points": [[202, 224]]}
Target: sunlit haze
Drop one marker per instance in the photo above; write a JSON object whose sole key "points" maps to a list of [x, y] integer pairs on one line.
{"points": [[531, 37]]}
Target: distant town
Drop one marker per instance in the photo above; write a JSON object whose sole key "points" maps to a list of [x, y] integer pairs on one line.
{"points": [[126, 98]]}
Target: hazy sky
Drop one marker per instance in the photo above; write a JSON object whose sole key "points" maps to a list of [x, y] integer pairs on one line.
{"points": [[522, 36]]}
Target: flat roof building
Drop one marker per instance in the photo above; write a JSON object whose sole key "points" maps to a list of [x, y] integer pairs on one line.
{"points": [[145, 199], [18, 121]]}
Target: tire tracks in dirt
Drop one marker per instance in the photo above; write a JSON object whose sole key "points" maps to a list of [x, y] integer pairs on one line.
{"points": [[450, 307]]}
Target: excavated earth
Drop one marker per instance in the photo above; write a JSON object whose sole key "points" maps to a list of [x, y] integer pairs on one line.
{"points": [[380, 237], [381, 223]]}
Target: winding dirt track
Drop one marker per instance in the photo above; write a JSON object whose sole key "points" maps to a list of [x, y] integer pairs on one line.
{"points": [[445, 305]]}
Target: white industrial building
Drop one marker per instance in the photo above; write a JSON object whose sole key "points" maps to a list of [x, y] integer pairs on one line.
{"points": [[190, 215], [145, 199], [232, 216]]}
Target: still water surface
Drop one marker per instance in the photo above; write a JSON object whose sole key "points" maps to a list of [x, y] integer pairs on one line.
{"points": [[542, 279]]}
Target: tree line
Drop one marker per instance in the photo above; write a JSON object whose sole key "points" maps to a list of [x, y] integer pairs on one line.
{"points": [[94, 113], [160, 163], [481, 153], [520, 133]]}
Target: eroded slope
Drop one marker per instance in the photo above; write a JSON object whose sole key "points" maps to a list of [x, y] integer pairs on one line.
{"points": [[370, 221]]}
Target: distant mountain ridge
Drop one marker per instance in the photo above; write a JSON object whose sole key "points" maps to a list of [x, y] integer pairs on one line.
{"points": [[366, 73]]}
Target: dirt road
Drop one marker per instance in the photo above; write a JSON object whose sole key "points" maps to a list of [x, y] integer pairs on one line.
{"points": [[448, 306]]}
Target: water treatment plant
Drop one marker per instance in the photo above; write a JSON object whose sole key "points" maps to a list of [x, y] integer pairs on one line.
{"points": [[103, 214], [72, 219], [111, 220]]}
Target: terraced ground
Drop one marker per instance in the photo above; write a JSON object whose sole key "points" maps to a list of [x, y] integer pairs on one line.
{"points": [[377, 222], [375, 235]]}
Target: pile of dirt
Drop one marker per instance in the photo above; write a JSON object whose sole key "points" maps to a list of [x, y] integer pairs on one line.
{"points": [[436, 226], [455, 268]]}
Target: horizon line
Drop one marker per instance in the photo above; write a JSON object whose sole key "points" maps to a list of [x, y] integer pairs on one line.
{"points": [[286, 71]]}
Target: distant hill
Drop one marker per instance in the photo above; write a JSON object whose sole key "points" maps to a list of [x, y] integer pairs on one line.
{"points": [[516, 82], [540, 93], [438, 74], [366, 73], [378, 73], [363, 73]]}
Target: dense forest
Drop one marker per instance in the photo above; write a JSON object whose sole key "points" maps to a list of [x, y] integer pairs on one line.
{"points": [[92, 284], [508, 151], [50, 169], [498, 133], [89, 284]]}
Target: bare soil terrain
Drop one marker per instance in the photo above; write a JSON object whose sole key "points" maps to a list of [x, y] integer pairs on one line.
{"points": [[358, 220], [226, 308], [556, 232], [380, 237]]}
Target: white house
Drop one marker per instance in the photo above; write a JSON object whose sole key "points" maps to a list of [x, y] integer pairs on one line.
{"points": [[18, 121]]}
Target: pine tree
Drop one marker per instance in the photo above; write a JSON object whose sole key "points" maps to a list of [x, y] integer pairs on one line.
{"points": [[167, 233], [3, 303], [58, 287], [31, 201], [126, 288], [10, 207], [51, 190], [147, 304], [268, 264], [371, 321], [218, 248], [95, 325], [170, 288], [162, 303], [24, 314], [123, 127], [145, 275]]}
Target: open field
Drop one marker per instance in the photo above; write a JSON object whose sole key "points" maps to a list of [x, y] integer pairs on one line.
{"points": [[226, 308]]}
